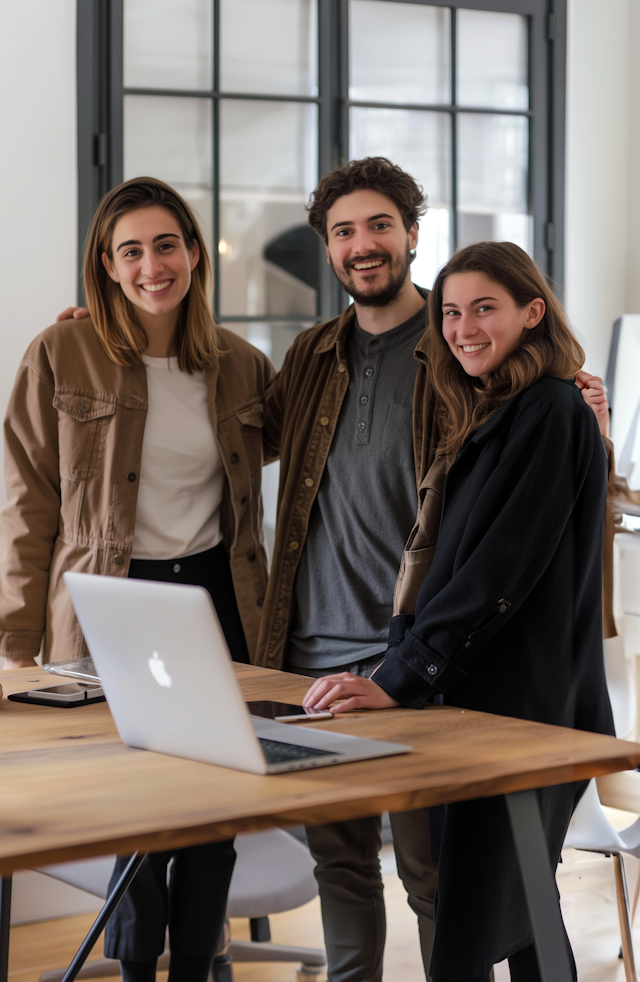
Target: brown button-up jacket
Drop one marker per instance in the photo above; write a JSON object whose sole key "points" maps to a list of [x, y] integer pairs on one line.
{"points": [[302, 406], [73, 443]]}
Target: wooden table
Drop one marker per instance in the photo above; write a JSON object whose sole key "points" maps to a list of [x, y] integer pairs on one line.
{"points": [[70, 789]]}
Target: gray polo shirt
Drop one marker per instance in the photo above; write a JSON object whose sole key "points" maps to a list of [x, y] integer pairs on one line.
{"points": [[365, 507]]}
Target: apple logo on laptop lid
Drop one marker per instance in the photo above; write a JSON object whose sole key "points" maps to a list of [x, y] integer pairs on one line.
{"points": [[159, 672]]}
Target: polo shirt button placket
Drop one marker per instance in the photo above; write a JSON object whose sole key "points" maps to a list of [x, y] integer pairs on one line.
{"points": [[365, 400]]}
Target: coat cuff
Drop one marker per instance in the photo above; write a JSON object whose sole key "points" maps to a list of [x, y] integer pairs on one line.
{"points": [[412, 672], [402, 684]]}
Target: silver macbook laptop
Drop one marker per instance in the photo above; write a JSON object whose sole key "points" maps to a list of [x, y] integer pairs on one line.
{"points": [[169, 681]]}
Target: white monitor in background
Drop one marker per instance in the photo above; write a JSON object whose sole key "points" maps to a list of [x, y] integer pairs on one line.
{"points": [[623, 391]]}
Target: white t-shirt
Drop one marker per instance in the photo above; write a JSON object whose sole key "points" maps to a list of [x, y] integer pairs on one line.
{"points": [[181, 472]]}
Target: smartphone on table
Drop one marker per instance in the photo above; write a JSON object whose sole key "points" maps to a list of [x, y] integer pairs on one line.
{"points": [[285, 712], [63, 695]]}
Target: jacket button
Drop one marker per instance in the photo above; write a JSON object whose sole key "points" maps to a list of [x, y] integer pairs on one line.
{"points": [[294, 545], [251, 557], [468, 644], [260, 601], [84, 408], [177, 567], [243, 499], [131, 477], [502, 608], [432, 669], [324, 420], [341, 368], [309, 482], [234, 458], [118, 560]]}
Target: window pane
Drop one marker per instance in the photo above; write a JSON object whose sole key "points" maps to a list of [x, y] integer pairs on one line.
{"points": [[492, 60], [269, 257], [492, 179], [420, 142], [168, 44], [399, 52], [171, 138], [269, 47], [273, 338]]}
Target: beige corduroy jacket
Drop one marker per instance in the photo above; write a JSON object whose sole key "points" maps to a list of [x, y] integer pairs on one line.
{"points": [[73, 443]]}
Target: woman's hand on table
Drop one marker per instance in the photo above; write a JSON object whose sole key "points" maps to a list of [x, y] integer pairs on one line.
{"points": [[355, 691]]}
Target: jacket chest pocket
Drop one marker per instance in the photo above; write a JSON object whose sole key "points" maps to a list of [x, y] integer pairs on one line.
{"points": [[82, 432]]}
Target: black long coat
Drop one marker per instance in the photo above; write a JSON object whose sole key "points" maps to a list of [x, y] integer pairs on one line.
{"points": [[508, 621]]}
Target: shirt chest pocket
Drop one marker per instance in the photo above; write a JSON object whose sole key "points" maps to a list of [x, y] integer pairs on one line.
{"points": [[83, 423]]}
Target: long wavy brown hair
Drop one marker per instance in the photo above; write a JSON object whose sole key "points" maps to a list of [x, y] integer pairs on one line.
{"points": [[464, 403], [114, 316]]}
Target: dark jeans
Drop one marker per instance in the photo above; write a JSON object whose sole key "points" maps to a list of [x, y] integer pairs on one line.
{"points": [[350, 883], [194, 902], [211, 570]]}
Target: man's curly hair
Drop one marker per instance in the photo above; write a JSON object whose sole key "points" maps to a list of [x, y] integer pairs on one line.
{"points": [[368, 174]]}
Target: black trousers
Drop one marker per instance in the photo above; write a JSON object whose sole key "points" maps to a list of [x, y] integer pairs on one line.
{"points": [[194, 901]]}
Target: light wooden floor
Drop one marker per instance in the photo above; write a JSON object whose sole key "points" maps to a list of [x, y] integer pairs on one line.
{"points": [[588, 902]]}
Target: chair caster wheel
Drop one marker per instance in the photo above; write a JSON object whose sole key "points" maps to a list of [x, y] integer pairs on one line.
{"points": [[222, 969], [311, 973]]}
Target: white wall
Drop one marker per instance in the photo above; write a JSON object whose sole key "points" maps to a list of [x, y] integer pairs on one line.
{"points": [[633, 175], [37, 174], [603, 170]]}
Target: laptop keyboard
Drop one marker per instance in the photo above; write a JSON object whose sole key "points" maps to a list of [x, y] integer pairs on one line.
{"points": [[279, 753]]}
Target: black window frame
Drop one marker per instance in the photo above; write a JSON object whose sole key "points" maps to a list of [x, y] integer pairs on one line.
{"points": [[100, 120]]}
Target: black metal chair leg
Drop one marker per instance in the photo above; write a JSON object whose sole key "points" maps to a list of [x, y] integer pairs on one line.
{"points": [[100, 922], [5, 923]]}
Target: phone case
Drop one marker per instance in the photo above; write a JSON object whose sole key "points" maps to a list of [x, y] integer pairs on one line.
{"points": [[19, 697]]}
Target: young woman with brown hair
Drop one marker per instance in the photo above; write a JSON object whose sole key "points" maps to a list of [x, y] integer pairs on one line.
{"points": [[133, 447], [508, 619]]}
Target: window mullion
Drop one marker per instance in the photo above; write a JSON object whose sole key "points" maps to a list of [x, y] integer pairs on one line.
{"points": [[454, 135]]}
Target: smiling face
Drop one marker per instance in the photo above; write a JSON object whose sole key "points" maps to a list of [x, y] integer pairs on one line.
{"points": [[368, 246], [482, 323], [151, 262]]}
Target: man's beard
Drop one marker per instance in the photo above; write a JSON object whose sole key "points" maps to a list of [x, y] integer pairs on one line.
{"points": [[386, 294]]}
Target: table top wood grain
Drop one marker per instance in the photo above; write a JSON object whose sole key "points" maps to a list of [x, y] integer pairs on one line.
{"points": [[70, 789]]}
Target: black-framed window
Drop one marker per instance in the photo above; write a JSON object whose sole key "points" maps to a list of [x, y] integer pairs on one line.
{"points": [[243, 104]]}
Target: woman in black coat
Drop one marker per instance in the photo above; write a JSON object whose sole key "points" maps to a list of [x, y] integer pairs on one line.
{"points": [[508, 619]]}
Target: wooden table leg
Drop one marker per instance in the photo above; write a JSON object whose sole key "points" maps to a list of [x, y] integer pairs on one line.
{"points": [[539, 886], [101, 920], [5, 923]]}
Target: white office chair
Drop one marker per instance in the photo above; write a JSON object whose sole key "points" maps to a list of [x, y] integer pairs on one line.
{"points": [[590, 829], [273, 873]]}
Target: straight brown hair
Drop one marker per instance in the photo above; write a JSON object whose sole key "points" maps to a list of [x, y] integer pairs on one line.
{"points": [[113, 315], [464, 403]]}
